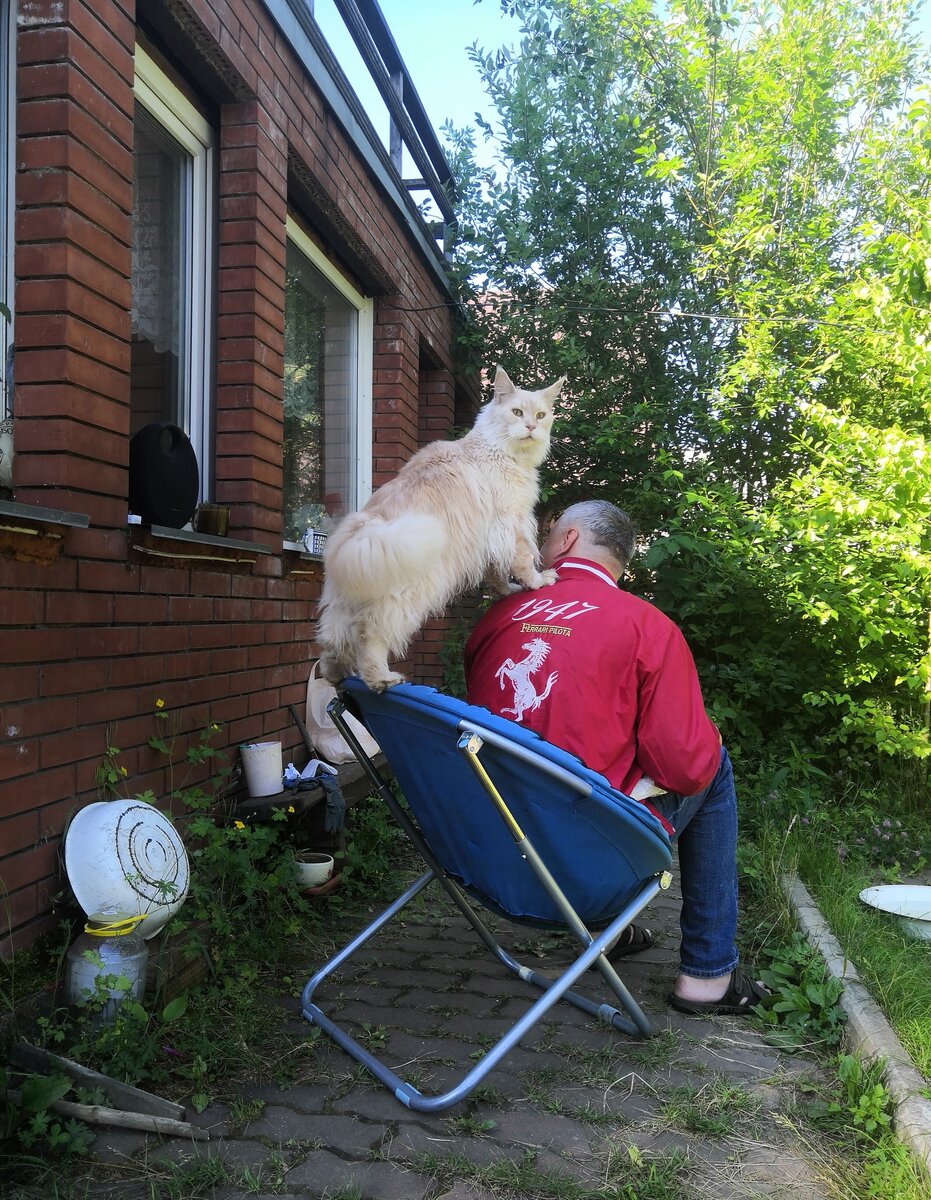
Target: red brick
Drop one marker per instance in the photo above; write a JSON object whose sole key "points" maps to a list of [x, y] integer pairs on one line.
{"points": [[62, 679], [21, 608], [92, 609], [18, 833]]}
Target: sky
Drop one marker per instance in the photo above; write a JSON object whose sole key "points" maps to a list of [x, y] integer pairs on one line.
{"points": [[433, 37]]}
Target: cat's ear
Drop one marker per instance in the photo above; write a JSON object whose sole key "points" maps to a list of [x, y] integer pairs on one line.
{"points": [[552, 392], [504, 389]]}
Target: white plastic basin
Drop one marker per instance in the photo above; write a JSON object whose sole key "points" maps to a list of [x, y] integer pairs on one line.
{"points": [[126, 856], [909, 901]]}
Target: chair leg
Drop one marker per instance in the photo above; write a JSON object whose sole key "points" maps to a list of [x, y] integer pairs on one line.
{"points": [[553, 991]]}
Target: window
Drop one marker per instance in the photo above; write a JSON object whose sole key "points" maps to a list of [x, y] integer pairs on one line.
{"points": [[7, 131], [327, 391], [172, 263]]}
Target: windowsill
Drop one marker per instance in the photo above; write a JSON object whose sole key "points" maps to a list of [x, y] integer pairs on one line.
{"points": [[41, 516], [239, 551], [298, 548]]}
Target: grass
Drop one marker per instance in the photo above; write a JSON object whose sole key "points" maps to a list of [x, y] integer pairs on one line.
{"points": [[715, 1109], [895, 967], [627, 1175]]}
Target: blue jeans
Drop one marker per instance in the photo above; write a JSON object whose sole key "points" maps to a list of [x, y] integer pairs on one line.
{"points": [[706, 835]]}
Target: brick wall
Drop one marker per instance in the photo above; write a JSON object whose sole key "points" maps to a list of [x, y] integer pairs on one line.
{"points": [[98, 623]]}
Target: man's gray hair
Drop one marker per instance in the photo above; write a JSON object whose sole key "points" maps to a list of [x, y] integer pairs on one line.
{"points": [[606, 525]]}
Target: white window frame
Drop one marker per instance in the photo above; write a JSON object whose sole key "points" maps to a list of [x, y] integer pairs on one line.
{"points": [[7, 175], [167, 105], [361, 414]]}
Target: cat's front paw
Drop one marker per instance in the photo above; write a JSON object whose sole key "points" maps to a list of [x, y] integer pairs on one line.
{"points": [[542, 579], [379, 683]]}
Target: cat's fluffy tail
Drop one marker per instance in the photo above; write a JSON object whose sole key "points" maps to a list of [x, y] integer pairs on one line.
{"points": [[368, 557]]}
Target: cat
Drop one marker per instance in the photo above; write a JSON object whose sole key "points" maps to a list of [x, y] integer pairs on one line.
{"points": [[457, 513]]}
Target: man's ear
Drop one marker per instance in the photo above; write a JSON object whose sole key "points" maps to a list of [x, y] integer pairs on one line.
{"points": [[570, 539], [504, 389]]}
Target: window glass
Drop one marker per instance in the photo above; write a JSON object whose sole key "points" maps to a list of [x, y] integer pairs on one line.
{"points": [[173, 249], [160, 184], [327, 379]]}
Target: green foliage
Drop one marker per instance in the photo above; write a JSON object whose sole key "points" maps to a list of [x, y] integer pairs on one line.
{"points": [[242, 900], [804, 1010], [374, 842], [863, 1105], [715, 219], [27, 1116]]}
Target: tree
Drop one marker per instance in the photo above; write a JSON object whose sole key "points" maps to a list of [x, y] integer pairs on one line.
{"points": [[714, 218]]}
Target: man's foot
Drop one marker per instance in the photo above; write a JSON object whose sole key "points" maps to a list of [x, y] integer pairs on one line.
{"points": [[728, 994], [633, 939]]}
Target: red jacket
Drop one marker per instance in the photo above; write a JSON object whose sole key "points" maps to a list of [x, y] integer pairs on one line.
{"points": [[600, 673]]}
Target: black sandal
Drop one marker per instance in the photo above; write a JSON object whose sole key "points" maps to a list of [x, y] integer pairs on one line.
{"points": [[741, 997], [633, 939]]}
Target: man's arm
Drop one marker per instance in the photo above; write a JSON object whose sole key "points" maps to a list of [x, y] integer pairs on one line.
{"points": [[677, 744]]}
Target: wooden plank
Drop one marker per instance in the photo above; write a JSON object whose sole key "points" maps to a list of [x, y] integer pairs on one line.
{"points": [[122, 1095], [96, 1114]]}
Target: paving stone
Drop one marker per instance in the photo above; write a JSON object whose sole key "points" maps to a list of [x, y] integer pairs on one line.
{"points": [[118, 1145], [465, 1191], [230, 1151], [303, 1097], [377, 1104], [324, 1173], [546, 1132], [343, 1133], [411, 1141]]}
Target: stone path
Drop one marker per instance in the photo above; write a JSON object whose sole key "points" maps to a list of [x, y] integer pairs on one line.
{"points": [[575, 1111]]}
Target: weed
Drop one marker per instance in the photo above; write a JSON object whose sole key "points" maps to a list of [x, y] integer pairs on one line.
{"points": [[374, 1037], [489, 1095], [863, 1104], [713, 1109], [243, 1112], [470, 1125], [804, 1009]]}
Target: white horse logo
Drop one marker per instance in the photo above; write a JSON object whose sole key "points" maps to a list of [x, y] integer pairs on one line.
{"points": [[526, 697]]}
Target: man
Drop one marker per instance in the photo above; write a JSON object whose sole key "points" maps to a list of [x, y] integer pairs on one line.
{"points": [[609, 678]]}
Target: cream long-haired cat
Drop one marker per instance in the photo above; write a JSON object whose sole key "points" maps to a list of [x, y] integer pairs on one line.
{"points": [[456, 513]]}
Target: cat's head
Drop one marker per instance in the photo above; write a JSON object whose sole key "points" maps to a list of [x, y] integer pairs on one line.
{"points": [[518, 420]]}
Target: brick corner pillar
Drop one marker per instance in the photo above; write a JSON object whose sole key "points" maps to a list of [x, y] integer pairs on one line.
{"points": [[250, 326], [436, 405], [73, 258], [394, 390]]}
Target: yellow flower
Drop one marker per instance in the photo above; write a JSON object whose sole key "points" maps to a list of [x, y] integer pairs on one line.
{"points": [[123, 771], [290, 808], [239, 824], [159, 703]]}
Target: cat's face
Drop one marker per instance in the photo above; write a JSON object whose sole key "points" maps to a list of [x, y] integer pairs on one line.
{"points": [[523, 419]]}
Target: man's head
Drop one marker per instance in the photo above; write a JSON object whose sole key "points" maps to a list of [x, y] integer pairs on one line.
{"points": [[594, 529]]}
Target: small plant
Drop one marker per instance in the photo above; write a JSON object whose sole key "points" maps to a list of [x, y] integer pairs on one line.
{"points": [[887, 843], [712, 1109], [27, 1116], [864, 1103], [470, 1125], [375, 1037], [804, 1008]]}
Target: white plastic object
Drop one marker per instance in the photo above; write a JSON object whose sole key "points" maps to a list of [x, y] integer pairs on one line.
{"points": [[261, 762], [126, 856], [909, 901]]}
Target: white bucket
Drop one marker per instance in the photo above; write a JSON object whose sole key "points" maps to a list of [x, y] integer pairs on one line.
{"points": [[261, 762], [312, 869]]}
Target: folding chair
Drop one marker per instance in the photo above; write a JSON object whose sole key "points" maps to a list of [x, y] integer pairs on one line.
{"points": [[504, 817]]}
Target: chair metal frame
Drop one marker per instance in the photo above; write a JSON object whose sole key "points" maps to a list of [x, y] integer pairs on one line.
{"points": [[629, 1017]]}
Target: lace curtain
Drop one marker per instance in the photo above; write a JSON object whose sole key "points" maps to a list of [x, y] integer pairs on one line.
{"points": [[158, 177]]}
